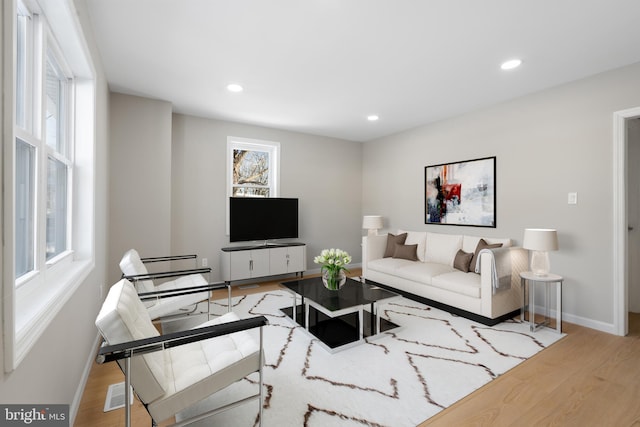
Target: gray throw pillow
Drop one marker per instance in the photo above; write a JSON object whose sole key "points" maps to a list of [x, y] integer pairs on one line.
{"points": [[392, 241], [462, 261], [409, 252]]}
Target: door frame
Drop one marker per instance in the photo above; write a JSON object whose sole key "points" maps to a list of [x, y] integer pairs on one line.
{"points": [[620, 221]]}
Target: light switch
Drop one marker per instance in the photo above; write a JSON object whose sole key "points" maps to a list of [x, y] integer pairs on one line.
{"points": [[572, 199]]}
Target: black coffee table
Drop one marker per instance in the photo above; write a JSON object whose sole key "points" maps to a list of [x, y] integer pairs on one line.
{"points": [[339, 319]]}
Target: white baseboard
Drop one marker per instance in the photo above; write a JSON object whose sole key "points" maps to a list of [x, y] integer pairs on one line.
{"points": [[581, 321], [77, 398]]}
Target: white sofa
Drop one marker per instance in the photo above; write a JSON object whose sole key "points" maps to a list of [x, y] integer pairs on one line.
{"points": [[431, 275]]}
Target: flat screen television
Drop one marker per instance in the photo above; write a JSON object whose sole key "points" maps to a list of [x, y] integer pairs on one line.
{"points": [[259, 218]]}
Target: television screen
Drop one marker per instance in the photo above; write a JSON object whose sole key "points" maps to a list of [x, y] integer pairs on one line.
{"points": [[257, 218]]}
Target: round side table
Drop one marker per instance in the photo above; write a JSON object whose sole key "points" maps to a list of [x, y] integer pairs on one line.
{"points": [[528, 280]]}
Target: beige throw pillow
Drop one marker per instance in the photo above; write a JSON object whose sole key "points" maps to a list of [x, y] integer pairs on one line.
{"points": [[409, 252], [392, 241], [482, 244], [462, 260]]}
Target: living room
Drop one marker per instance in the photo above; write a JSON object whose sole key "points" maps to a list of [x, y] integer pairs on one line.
{"points": [[161, 186]]}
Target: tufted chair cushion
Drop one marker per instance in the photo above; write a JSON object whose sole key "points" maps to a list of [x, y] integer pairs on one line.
{"points": [[124, 318], [131, 265]]}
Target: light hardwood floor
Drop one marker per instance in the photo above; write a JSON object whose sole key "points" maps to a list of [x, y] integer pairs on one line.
{"points": [[589, 378]]}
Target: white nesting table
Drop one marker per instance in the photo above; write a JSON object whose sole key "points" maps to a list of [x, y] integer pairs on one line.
{"points": [[528, 281]]}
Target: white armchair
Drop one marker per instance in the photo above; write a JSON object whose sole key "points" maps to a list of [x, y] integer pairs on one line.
{"points": [[172, 372], [177, 297]]}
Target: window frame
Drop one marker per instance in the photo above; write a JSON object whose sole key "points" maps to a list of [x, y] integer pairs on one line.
{"points": [[33, 300]]}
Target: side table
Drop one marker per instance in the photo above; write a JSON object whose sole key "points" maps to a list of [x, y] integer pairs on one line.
{"points": [[528, 280]]}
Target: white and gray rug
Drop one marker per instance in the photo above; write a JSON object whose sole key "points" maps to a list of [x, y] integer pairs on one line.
{"points": [[399, 379]]}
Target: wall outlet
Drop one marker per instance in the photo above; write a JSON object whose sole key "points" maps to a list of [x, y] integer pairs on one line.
{"points": [[572, 198], [205, 262]]}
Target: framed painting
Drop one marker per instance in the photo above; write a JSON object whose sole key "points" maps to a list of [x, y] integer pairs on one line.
{"points": [[461, 193]]}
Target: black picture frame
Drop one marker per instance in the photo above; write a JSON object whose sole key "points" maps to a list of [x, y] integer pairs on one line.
{"points": [[461, 193]]}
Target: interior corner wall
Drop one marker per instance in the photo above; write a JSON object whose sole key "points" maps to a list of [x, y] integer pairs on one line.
{"points": [[547, 144], [324, 173], [140, 184]]}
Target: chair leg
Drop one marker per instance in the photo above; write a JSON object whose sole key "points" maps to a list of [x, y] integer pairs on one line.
{"points": [[260, 383], [127, 392]]}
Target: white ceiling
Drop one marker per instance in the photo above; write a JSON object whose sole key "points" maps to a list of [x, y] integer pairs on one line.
{"points": [[323, 66]]}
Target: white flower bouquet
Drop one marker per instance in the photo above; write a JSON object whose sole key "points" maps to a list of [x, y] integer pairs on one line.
{"points": [[334, 264]]}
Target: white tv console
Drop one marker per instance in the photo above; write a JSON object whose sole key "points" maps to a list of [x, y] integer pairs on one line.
{"points": [[248, 262]]}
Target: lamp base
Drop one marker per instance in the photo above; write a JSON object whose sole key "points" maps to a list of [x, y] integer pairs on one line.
{"points": [[540, 263], [372, 232]]}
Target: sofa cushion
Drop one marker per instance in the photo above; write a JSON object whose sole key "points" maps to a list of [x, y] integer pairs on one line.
{"points": [[419, 238], [392, 240], [442, 248], [459, 282], [482, 244], [423, 272], [462, 261], [417, 271], [406, 252], [388, 265]]}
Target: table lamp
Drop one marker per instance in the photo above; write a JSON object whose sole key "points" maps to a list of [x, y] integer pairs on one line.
{"points": [[540, 241], [372, 223]]}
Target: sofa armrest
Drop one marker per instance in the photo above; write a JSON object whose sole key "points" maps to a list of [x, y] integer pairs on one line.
{"points": [[494, 304], [373, 247]]}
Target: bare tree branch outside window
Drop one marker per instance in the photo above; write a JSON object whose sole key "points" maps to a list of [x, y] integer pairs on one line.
{"points": [[250, 173]]}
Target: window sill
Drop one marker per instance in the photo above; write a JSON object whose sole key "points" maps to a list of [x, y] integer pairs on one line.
{"points": [[38, 302]]}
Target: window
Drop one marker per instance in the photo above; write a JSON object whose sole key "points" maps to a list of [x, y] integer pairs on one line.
{"points": [[25, 208], [52, 188], [253, 167], [44, 160]]}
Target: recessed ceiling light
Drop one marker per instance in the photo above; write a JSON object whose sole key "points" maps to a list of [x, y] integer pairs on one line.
{"points": [[372, 118], [511, 64], [234, 87]]}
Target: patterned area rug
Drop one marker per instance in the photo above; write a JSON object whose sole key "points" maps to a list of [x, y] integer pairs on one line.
{"points": [[399, 379]]}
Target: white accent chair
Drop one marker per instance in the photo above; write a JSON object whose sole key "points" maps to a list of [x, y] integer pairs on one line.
{"points": [[171, 298], [172, 372]]}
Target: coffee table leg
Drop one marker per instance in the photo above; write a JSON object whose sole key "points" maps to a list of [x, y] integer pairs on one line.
{"points": [[361, 320], [294, 308], [306, 316]]}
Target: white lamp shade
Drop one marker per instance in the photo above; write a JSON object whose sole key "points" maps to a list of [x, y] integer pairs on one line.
{"points": [[540, 239], [372, 222]]}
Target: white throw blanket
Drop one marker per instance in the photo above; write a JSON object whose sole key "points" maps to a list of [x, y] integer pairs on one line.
{"points": [[500, 268]]}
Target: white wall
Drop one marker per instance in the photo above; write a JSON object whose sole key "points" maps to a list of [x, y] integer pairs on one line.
{"points": [[324, 173], [140, 190], [547, 145], [55, 368]]}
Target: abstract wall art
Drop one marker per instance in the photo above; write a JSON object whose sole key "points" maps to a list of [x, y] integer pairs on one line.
{"points": [[461, 193]]}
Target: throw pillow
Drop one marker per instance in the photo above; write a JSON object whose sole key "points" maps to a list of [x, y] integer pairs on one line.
{"points": [[462, 261], [392, 241], [409, 252], [482, 244]]}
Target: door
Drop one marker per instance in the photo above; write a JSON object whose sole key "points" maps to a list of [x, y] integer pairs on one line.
{"points": [[633, 213]]}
